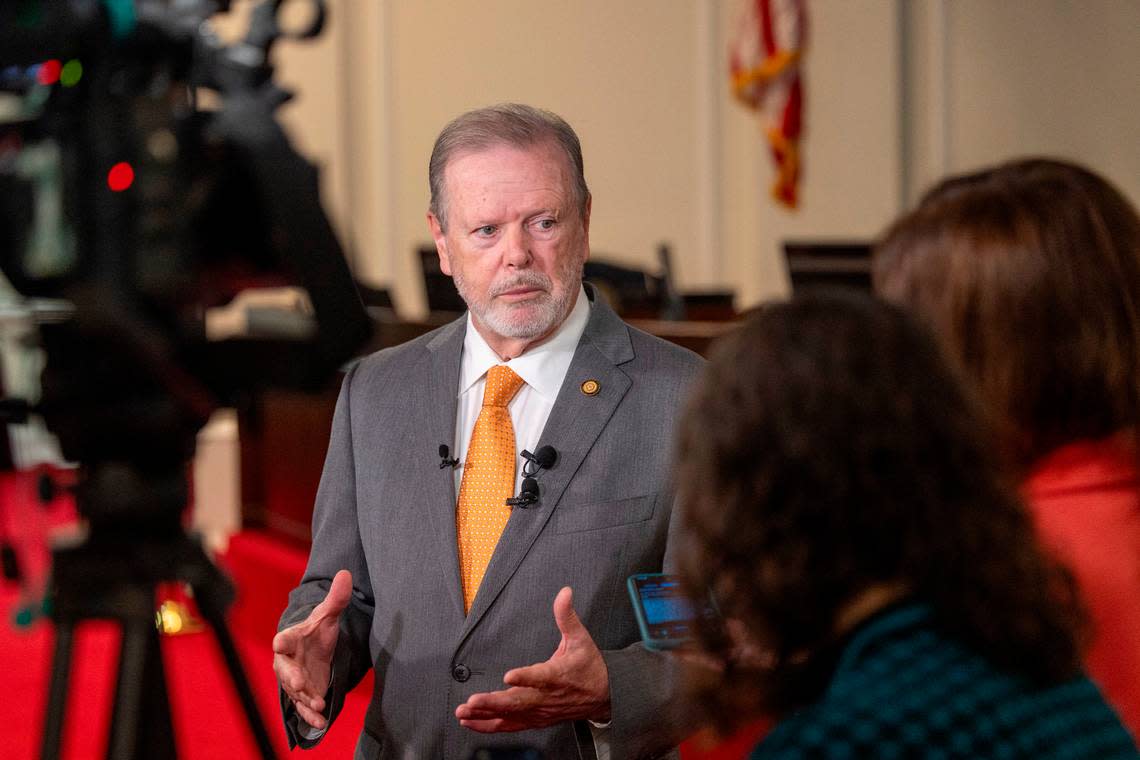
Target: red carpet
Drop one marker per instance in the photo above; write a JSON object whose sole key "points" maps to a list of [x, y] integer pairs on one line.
{"points": [[207, 717], [205, 709]]}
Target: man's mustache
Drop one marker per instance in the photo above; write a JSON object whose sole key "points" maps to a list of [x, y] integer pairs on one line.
{"points": [[521, 280]]}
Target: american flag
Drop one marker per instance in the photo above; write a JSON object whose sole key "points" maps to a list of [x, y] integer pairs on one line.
{"points": [[765, 63]]}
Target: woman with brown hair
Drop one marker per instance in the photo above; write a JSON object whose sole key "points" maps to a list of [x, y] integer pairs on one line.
{"points": [[1029, 274], [881, 587]]}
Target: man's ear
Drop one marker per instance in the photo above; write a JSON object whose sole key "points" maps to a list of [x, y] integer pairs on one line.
{"points": [[440, 243], [586, 222]]}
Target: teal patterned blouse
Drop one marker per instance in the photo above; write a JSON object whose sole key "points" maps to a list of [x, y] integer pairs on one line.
{"points": [[904, 690]]}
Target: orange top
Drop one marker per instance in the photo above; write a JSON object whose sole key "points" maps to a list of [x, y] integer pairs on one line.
{"points": [[1085, 499]]}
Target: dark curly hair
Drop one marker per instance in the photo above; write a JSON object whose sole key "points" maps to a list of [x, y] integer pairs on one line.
{"points": [[1029, 273], [828, 449]]}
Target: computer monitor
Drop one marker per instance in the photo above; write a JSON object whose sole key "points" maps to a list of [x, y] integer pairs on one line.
{"points": [[438, 287], [813, 264]]}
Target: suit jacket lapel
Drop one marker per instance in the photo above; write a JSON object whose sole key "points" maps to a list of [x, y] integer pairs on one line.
{"points": [[445, 351], [575, 423]]}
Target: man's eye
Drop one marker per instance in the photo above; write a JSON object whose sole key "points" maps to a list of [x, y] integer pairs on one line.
{"points": [[486, 230], [546, 224]]}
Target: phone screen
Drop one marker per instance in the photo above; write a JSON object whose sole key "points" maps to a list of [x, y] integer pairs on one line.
{"points": [[666, 616]]}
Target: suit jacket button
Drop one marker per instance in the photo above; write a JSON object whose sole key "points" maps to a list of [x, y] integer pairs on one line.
{"points": [[461, 673]]}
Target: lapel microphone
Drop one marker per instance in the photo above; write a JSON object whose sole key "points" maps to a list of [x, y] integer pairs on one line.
{"points": [[543, 459], [444, 459]]}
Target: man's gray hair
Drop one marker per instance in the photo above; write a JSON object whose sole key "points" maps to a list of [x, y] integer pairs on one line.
{"points": [[511, 124]]}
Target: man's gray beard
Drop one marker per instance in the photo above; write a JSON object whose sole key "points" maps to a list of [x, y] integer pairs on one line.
{"points": [[550, 308]]}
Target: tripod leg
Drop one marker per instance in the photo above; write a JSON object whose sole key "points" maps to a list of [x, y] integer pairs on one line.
{"points": [[237, 675], [156, 734], [141, 730], [57, 692]]}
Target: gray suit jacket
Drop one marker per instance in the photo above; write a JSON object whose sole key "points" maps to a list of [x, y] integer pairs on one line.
{"points": [[386, 511]]}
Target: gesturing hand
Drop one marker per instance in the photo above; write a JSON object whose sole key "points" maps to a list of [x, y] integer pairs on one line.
{"points": [[572, 685], [302, 653]]}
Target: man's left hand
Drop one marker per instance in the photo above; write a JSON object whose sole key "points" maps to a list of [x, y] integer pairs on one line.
{"points": [[573, 684]]}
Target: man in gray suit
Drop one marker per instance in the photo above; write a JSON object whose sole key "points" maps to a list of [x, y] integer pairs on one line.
{"points": [[393, 584]]}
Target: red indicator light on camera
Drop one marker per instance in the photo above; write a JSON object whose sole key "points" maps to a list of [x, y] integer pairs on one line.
{"points": [[121, 176], [48, 72]]}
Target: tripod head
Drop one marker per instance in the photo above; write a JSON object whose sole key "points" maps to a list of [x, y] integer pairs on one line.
{"points": [[135, 213]]}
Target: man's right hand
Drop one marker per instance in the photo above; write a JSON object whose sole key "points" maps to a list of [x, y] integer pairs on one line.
{"points": [[302, 653]]}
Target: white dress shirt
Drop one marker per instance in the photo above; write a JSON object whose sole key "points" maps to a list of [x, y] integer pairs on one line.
{"points": [[542, 368]]}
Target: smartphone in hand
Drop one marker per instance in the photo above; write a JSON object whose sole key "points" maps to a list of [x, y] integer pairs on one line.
{"points": [[665, 615]]}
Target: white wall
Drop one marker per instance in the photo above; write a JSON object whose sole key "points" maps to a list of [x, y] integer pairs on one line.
{"points": [[669, 156], [1047, 77]]}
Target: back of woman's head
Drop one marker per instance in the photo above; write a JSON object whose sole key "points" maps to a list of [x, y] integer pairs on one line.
{"points": [[1030, 275], [829, 449]]}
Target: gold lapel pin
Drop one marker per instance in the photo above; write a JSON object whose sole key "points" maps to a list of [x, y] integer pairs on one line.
{"points": [[591, 387]]}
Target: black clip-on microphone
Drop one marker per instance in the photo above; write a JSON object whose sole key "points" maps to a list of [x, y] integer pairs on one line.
{"points": [[542, 459], [444, 459], [528, 494]]}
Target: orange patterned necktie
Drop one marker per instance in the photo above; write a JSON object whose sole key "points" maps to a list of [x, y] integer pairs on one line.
{"points": [[488, 480]]}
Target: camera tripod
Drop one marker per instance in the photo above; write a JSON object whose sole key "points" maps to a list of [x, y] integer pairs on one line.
{"points": [[113, 575]]}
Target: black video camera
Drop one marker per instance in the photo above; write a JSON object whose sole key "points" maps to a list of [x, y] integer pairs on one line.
{"points": [[130, 214]]}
